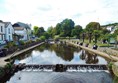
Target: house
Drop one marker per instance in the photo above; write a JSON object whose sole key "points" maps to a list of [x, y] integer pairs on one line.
{"points": [[6, 32], [2, 32], [9, 31], [111, 27], [23, 30]]}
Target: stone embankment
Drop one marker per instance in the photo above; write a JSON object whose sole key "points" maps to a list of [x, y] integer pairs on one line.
{"points": [[107, 53], [2, 59], [101, 53]]}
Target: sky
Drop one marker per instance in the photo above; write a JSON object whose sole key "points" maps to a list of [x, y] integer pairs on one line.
{"points": [[48, 13]]}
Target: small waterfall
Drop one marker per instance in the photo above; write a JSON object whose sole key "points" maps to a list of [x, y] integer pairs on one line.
{"points": [[63, 68]]}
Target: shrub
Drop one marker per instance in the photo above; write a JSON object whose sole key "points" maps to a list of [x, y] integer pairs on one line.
{"points": [[38, 39], [10, 44], [22, 42], [42, 38]]}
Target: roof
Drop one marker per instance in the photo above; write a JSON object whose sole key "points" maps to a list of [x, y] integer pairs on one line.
{"points": [[6, 23], [18, 28], [20, 24]]}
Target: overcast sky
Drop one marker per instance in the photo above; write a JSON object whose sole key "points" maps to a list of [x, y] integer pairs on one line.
{"points": [[50, 12]]}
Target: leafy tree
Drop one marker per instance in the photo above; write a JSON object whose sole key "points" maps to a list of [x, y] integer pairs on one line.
{"points": [[90, 29], [96, 35], [35, 30], [42, 38], [67, 25], [46, 34], [105, 31], [77, 31], [58, 29], [40, 31], [116, 32], [50, 31]]}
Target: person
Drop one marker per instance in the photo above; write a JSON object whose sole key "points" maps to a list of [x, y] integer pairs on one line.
{"points": [[95, 47], [87, 45]]}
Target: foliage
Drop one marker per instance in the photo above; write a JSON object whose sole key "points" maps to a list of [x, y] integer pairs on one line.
{"points": [[116, 32], [35, 30], [47, 35], [50, 31], [38, 31], [22, 42], [77, 31], [10, 44], [67, 25], [92, 26], [38, 39], [105, 31], [42, 38]]}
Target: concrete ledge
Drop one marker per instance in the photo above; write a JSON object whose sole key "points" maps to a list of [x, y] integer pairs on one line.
{"points": [[109, 57], [2, 59]]}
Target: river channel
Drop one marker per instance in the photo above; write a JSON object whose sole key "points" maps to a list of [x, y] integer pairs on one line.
{"points": [[59, 54]]}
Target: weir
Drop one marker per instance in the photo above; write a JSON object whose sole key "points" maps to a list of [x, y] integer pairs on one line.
{"points": [[61, 67]]}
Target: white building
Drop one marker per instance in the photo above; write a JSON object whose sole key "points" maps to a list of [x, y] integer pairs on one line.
{"points": [[9, 31], [2, 32], [22, 29], [6, 32]]}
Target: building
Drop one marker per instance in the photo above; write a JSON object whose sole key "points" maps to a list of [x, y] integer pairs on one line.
{"points": [[9, 31], [22, 29], [2, 32], [6, 32]]}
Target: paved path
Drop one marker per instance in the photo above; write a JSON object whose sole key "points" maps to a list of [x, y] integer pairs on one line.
{"points": [[2, 59]]}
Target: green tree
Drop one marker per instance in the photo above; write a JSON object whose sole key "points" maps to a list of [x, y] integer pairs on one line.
{"points": [[96, 35], [90, 29], [77, 31], [46, 34], [50, 31], [35, 30], [67, 25], [58, 29], [40, 31]]}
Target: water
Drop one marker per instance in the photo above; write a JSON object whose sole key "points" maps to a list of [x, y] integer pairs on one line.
{"points": [[53, 54], [57, 54], [57, 77]]}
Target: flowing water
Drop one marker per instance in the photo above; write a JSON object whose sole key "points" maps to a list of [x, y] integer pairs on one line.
{"points": [[60, 54]]}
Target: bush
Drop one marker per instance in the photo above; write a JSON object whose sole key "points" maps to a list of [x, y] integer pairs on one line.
{"points": [[22, 42], [110, 65], [42, 38], [10, 44], [38, 39]]}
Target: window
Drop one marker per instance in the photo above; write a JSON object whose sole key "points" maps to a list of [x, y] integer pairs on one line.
{"points": [[2, 37], [9, 30], [1, 29], [9, 38]]}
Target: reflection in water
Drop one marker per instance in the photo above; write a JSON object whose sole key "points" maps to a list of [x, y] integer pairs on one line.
{"points": [[89, 58], [59, 54], [63, 77]]}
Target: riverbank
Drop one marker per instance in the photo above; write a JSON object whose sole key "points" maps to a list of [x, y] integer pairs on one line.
{"points": [[99, 52], [2, 59]]}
